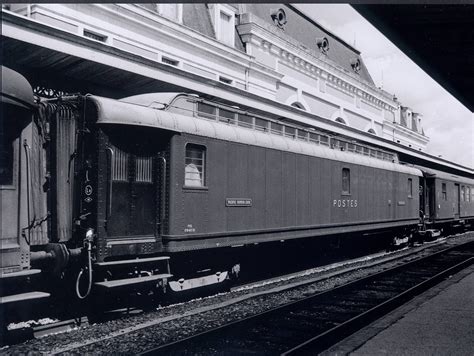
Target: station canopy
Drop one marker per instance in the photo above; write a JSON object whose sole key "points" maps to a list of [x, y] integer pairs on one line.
{"points": [[437, 37]]}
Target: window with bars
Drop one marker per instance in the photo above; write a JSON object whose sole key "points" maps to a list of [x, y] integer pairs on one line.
{"points": [[290, 132], [410, 188], [346, 181], [207, 111], [143, 169], [303, 135], [261, 125], [276, 129], [195, 166], [245, 121], [226, 116], [444, 194], [120, 166]]}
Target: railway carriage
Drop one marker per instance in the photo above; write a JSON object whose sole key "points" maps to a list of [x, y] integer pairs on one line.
{"points": [[447, 200], [159, 175], [164, 191]]}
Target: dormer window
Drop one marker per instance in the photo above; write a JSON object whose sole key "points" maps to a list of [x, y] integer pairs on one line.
{"points": [[173, 12], [224, 23]]}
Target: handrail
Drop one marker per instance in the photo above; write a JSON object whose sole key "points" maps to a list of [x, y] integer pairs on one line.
{"points": [[163, 193], [109, 190]]}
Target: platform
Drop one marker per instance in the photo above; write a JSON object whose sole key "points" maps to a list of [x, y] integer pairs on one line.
{"points": [[437, 322]]}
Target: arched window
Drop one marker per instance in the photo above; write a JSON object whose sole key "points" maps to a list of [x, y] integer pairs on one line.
{"points": [[372, 131], [298, 105], [341, 121]]}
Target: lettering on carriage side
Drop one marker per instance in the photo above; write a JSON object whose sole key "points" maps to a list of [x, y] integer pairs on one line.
{"points": [[231, 202], [344, 203], [189, 228]]}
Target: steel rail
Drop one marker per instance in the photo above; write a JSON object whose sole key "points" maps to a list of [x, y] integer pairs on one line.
{"points": [[332, 335], [323, 341]]}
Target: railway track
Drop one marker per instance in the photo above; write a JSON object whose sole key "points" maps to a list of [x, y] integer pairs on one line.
{"points": [[315, 323]]}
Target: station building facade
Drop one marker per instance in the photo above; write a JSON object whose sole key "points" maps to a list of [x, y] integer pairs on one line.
{"points": [[269, 57]]}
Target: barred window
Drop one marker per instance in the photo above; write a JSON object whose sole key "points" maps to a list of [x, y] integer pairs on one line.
{"points": [[290, 131], [143, 169], [226, 116], [260, 124], [195, 166], [207, 111], [120, 166], [410, 188], [444, 194], [276, 128], [346, 181]]}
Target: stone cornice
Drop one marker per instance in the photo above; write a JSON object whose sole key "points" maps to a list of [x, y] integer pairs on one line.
{"points": [[413, 134], [255, 30]]}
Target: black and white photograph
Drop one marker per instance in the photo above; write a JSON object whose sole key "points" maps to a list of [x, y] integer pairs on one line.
{"points": [[237, 178]]}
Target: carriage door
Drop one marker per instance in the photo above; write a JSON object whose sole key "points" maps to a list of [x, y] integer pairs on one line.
{"points": [[457, 201], [132, 193]]}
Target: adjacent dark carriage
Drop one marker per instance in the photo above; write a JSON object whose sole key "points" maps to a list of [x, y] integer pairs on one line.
{"points": [[448, 199], [23, 216]]}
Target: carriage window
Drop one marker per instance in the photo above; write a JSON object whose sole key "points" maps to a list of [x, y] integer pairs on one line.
{"points": [[120, 167], [261, 125], [143, 169], [410, 188], [207, 111], [346, 181], [324, 140], [463, 198], [195, 165], [226, 116], [245, 120], [314, 137], [468, 193], [290, 132], [303, 135], [443, 191], [276, 128]]}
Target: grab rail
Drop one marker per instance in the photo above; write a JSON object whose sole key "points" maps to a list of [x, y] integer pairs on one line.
{"points": [[109, 190], [163, 192]]}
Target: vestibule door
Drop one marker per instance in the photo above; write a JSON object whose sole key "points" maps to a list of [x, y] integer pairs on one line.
{"points": [[132, 195]]}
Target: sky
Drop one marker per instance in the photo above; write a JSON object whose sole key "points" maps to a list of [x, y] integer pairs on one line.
{"points": [[448, 123]]}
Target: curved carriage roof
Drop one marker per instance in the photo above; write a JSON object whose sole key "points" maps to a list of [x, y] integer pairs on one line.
{"points": [[16, 90], [151, 99], [110, 111], [433, 173]]}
